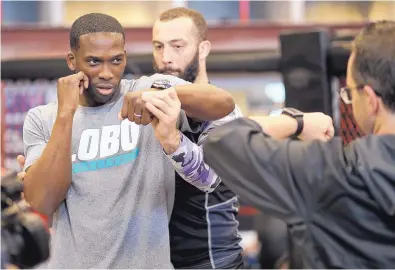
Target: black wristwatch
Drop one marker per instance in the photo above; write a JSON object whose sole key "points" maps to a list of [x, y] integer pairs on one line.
{"points": [[298, 116], [161, 84]]}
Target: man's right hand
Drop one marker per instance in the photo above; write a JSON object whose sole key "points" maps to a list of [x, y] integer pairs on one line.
{"points": [[134, 108], [317, 126], [69, 90]]}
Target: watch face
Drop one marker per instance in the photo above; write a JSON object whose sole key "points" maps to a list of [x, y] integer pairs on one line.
{"points": [[161, 84], [292, 112]]}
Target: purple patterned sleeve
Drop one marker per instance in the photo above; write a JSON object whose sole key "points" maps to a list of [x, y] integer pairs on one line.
{"points": [[188, 158]]}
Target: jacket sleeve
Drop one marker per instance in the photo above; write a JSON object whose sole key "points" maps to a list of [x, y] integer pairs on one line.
{"points": [[281, 178]]}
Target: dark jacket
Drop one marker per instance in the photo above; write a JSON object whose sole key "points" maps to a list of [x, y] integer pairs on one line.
{"points": [[339, 202]]}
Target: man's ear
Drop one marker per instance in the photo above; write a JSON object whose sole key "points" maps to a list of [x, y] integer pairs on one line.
{"points": [[71, 61], [372, 99], [204, 49]]}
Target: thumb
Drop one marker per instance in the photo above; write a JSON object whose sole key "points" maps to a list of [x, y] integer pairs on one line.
{"points": [[330, 131], [173, 95], [21, 160]]}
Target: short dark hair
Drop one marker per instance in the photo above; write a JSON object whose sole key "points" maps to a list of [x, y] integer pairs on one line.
{"points": [[93, 23], [374, 62], [195, 16]]}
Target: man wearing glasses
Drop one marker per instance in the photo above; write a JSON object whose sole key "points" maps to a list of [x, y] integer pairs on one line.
{"points": [[339, 202]]}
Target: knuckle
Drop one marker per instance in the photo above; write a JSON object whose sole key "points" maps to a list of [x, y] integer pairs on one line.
{"points": [[63, 80]]}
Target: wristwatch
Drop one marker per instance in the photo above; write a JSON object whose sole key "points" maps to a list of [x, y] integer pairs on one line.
{"points": [[161, 84], [298, 116]]}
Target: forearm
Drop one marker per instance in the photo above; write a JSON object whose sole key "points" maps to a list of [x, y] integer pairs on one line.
{"points": [[277, 127], [49, 178], [205, 101], [187, 159]]}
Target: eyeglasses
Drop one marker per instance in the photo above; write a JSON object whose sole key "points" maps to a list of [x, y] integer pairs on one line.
{"points": [[345, 93]]}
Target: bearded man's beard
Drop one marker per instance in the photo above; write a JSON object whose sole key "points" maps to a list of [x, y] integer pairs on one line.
{"points": [[190, 72]]}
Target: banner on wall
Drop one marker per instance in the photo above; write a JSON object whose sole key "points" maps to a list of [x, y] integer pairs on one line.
{"points": [[17, 99]]}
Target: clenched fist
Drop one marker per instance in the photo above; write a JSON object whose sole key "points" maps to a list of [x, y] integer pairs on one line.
{"points": [[317, 126], [69, 90], [134, 108]]}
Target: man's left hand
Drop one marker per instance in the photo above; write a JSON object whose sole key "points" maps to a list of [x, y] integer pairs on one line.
{"points": [[166, 107], [21, 160]]}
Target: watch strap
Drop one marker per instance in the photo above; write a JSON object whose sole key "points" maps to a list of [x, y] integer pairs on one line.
{"points": [[299, 129], [298, 116]]}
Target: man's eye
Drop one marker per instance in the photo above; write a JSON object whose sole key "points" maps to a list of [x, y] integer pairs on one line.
{"points": [[117, 61], [158, 47], [93, 62]]}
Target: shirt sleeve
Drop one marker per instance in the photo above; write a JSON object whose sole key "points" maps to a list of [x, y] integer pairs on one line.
{"points": [[34, 140], [188, 158], [280, 178]]}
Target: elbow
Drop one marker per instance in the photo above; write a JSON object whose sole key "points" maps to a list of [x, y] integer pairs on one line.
{"points": [[230, 103], [222, 104]]}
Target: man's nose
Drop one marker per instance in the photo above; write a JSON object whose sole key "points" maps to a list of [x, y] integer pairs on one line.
{"points": [[167, 56], [106, 73]]}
